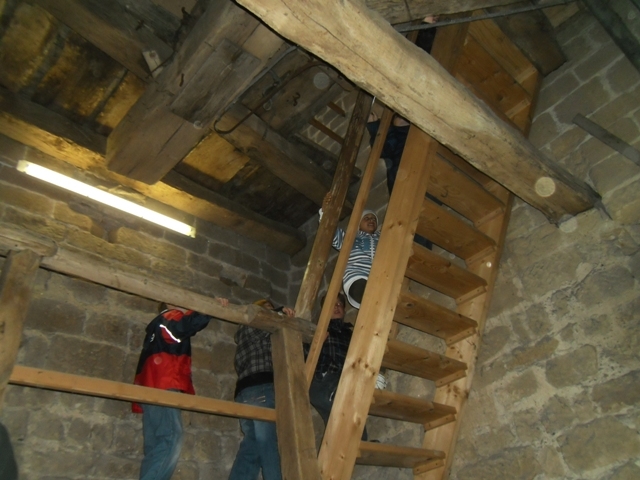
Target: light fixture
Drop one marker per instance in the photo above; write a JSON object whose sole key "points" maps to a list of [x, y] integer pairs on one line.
{"points": [[104, 197]]}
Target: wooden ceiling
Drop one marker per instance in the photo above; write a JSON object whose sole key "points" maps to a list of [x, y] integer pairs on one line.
{"points": [[235, 125]]}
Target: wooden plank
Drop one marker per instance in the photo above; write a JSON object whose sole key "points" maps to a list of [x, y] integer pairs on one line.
{"points": [[55, 135], [416, 361], [385, 455], [100, 271], [481, 70], [18, 273], [114, 29], [429, 317], [440, 274], [326, 130], [533, 34], [464, 166], [254, 138], [450, 232], [327, 227], [607, 138], [368, 51], [456, 190], [503, 51], [319, 255], [296, 440], [351, 404], [97, 387], [409, 409]]}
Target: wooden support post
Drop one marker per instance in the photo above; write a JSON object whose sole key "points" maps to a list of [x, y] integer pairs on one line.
{"points": [[340, 444], [322, 244], [296, 440], [17, 277]]}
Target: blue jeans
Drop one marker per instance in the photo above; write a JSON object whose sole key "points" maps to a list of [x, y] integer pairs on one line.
{"points": [[259, 447], [162, 430], [322, 393]]}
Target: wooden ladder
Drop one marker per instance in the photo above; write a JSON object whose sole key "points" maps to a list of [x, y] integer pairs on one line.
{"points": [[470, 223]]}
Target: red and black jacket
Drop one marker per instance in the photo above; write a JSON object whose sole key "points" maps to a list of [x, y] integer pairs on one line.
{"points": [[165, 360]]}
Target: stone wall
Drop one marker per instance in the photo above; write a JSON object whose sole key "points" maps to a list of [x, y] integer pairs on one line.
{"points": [[78, 327], [556, 389]]}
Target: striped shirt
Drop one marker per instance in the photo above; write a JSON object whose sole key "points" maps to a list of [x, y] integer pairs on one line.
{"points": [[361, 256]]}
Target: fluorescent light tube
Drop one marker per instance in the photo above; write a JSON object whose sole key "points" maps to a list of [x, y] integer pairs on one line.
{"points": [[104, 197]]}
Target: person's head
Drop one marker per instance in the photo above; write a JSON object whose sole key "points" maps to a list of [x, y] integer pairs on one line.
{"points": [[265, 303], [369, 222], [338, 306]]}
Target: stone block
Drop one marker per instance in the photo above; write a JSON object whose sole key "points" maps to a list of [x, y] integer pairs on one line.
{"points": [[551, 273], [248, 262], [251, 247], [48, 315], [629, 471], [526, 250], [117, 467], [200, 244], [497, 440], [64, 464], [223, 253], [48, 426], [596, 62], [560, 413], [81, 357], [206, 446], [624, 204], [64, 214], [277, 278], [512, 463], [174, 273], [26, 200], [493, 342], [489, 374], [259, 285], [86, 435], [524, 357], [538, 321], [277, 259], [604, 284], [553, 92], [621, 106], [527, 426], [573, 368], [32, 345], [611, 172], [148, 245], [618, 393], [522, 386], [585, 99], [34, 223], [106, 250], [567, 142], [577, 48], [209, 286], [127, 437], [601, 443], [83, 291], [108, 328], [551, 462], [204, 264]]}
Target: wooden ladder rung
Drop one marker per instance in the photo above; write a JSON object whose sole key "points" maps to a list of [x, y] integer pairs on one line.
{"points": [[429, 317], [450, 232], [404, 408], [416, 361], [456, 190], [385, 455], [440, 274]]}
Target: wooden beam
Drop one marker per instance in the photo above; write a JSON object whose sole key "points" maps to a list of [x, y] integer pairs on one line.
{"points": [[322, 244], [296, 440], [607, 138], [18, 273], [114, 29], [364, 47], [97, 387], [86, 266], [254, 138], [340, 443], [57, 136]]}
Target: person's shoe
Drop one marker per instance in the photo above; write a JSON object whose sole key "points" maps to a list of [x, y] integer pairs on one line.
{"points": [[381, 382]]}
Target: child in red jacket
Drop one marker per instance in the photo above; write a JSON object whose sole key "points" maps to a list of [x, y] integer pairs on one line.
{"points": [[165, 363]]}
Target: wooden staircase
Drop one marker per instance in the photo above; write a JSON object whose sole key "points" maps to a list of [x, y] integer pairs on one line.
{"points": [[468, 228]]}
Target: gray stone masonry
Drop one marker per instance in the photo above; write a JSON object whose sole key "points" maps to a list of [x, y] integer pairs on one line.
{"points": [[556, 389]]}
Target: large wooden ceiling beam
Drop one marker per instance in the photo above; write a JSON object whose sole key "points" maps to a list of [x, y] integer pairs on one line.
{"points": [[55, 135], [115, 30], [364, 47]]}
